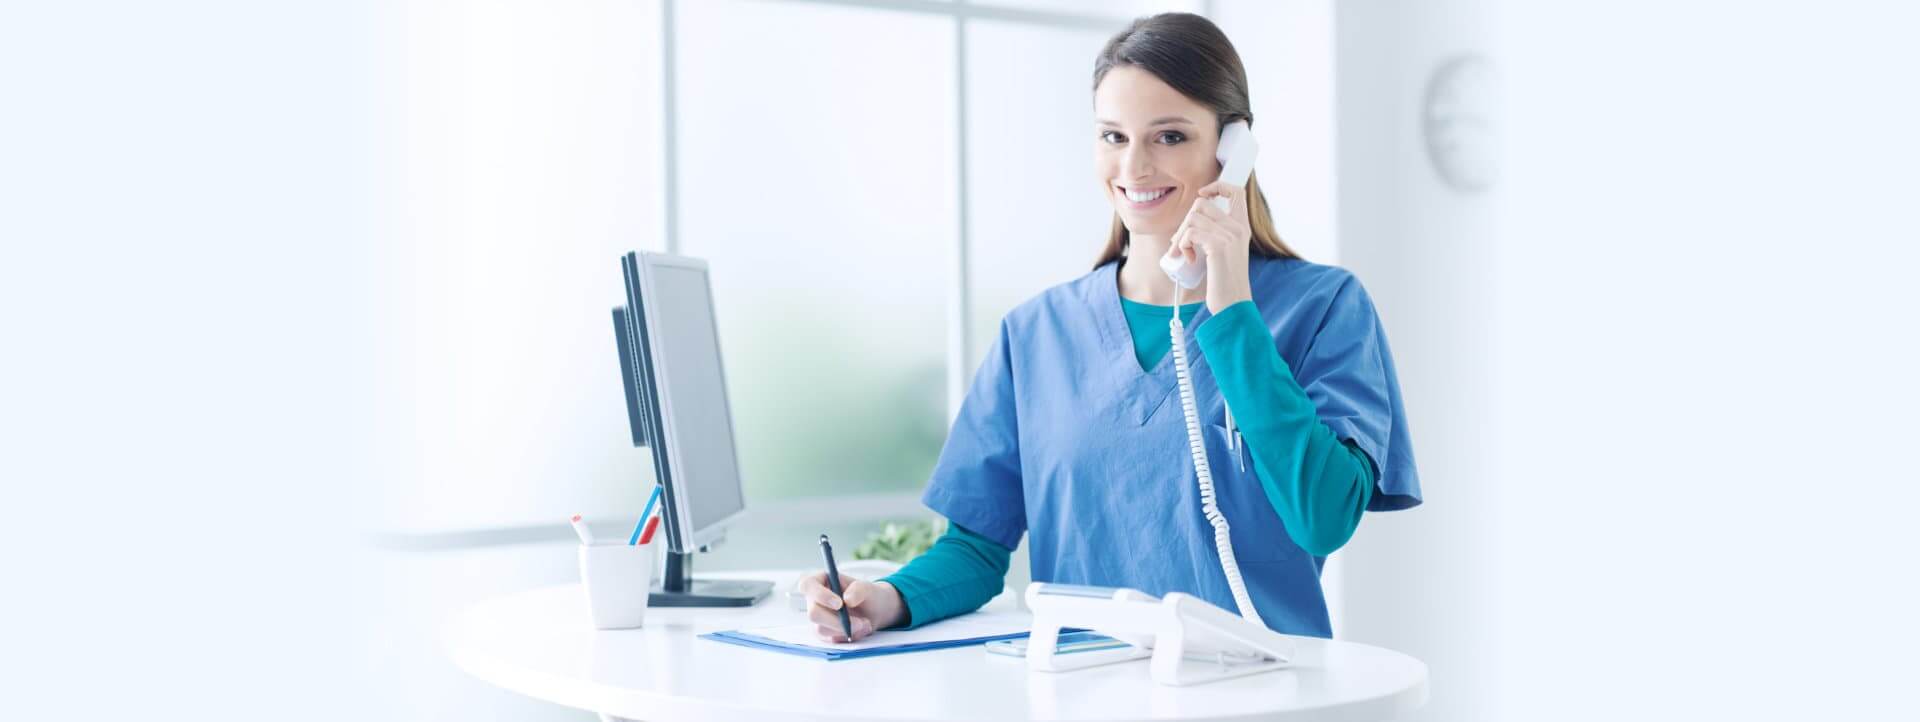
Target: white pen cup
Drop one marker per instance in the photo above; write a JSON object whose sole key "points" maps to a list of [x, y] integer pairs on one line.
{"points": [[616, 577]]}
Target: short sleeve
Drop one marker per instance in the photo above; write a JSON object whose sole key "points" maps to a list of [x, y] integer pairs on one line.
{"points": [[976, 483], [1348, 373]]}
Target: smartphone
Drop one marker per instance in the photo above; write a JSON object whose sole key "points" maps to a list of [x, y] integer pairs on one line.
{"points": [[1070, 642]]}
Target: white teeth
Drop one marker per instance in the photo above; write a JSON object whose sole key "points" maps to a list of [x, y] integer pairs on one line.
{"points": [[1139, 197]]}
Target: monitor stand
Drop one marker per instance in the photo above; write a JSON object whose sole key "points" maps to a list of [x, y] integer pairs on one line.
{"points": [[679, 589]]}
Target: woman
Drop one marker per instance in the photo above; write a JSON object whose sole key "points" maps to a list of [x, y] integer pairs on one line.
{"points": [[1073, 433]]}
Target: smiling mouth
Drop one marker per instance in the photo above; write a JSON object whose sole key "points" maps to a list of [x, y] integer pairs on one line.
{"points": [[1143, 198]]}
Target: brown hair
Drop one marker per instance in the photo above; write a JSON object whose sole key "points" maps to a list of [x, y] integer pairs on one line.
{"points": [[1190, 53]]}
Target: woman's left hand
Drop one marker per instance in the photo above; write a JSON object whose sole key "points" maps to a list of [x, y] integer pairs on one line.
{"points": [[1225, 237]]}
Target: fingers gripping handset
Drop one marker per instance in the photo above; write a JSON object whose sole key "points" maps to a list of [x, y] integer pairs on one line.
{"points": [[1236, 153]]}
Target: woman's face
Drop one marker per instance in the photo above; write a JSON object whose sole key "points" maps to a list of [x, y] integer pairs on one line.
{"points": [[1153, 149]]}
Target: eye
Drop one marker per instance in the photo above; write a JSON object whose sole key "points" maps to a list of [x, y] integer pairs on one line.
{"points": [[1112, 136], [1172, 138]]}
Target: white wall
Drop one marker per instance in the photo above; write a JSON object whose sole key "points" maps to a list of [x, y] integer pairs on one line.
{"points": [[1659, 377], [1410, 578], [521, 158], [1287, 47], [181, 204]]}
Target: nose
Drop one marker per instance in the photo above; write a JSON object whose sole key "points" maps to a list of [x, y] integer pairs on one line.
{"points": [[1136, 162]]}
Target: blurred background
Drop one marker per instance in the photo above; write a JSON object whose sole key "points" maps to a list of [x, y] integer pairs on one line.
{"points": [[307, 341]]}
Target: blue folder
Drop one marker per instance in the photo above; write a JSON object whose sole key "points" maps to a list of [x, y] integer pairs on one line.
{"points": [[758, 642]]}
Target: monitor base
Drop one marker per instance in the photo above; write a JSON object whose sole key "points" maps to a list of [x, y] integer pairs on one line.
{"points": [[712, 593]]}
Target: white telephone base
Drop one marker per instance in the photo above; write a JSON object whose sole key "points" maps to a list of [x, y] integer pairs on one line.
{"points": [[1189, 640]]}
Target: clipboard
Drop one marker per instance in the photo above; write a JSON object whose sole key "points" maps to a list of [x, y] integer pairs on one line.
{"points": [[800, 639]]}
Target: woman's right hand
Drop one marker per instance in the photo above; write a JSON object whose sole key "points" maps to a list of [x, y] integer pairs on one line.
{"points": [[870, 606]]}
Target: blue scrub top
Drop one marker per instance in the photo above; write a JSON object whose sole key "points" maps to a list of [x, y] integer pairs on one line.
{"points": [[1063, 437]]}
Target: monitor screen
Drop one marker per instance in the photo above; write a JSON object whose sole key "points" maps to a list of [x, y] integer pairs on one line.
{"points": [[686, 348]]}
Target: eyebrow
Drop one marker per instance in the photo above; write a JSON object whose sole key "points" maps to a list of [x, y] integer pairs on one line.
{"points": [[1156, 121]]}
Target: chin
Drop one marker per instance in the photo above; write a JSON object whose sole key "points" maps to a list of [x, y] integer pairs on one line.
{"points": [[1154, 227]]}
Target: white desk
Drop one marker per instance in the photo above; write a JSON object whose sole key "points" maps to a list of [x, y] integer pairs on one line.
{"points": [[540, 643]]}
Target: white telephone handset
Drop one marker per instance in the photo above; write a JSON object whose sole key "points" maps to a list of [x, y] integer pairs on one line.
{"points": [[1236, 152]]}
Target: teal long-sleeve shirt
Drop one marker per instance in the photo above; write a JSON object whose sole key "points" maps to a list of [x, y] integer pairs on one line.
{"points": [[1318, 484]]}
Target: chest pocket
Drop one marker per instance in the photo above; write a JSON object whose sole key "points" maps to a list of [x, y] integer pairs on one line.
{"points": [[1257, 532]]}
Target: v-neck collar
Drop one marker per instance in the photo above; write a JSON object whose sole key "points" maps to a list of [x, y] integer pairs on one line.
{"points": [[1118, 337], [1147, 327], [1149, 386]]}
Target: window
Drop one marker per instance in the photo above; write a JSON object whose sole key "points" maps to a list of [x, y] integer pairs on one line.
{"points": [[816, 163], [818, 183], [817, 168]]}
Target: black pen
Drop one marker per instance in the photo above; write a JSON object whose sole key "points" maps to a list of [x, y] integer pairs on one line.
{"points": [[833, 582]]}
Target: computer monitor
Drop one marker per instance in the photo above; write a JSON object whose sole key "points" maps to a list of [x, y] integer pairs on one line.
{"points": [[677, 406]]}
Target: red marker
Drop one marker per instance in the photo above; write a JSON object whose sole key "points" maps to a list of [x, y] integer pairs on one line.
{"points": [[580, 527], [648, 534]]}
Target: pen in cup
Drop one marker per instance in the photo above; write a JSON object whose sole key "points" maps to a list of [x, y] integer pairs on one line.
{"points": [[580, 528], [644, 514], [652, 524]]}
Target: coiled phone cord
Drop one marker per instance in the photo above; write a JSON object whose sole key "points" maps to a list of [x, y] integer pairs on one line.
{"points": [[1222, 540]]}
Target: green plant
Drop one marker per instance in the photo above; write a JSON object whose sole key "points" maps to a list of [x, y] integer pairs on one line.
{"points": [[901, 542]]}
